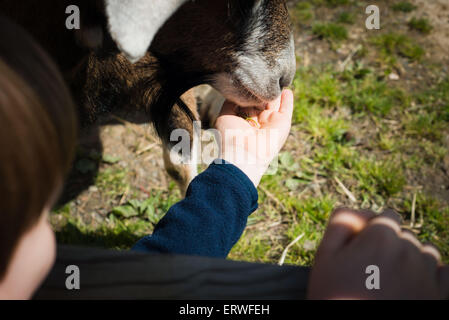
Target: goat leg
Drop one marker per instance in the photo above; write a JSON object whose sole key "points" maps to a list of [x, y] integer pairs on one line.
{"points": [[182, 168]]}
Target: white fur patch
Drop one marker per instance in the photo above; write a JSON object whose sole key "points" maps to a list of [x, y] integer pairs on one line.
{"points": [[133, 24]]}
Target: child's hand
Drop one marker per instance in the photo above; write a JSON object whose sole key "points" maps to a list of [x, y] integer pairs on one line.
{"points": [[355, 240], [252, 138]]}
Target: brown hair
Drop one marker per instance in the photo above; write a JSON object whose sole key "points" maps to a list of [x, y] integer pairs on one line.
{"points": [[38, 130]]}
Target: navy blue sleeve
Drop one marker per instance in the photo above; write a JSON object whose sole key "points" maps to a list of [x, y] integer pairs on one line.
{"points": [[210, 220]]}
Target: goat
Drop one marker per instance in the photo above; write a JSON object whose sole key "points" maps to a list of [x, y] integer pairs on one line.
{"points": [[150, 54]]}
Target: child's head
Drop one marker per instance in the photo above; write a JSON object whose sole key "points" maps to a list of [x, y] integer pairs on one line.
{"points": [[37, 140]]}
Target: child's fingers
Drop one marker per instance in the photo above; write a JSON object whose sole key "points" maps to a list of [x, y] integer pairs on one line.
{"points": [[284, 106], [274, 105], [287, 103], [344, 224]]}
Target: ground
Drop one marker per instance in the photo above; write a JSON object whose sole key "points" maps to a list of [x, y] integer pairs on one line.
{"points": [[370, 131]]}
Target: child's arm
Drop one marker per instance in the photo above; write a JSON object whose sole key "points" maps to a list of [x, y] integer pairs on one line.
{"points": [[214, 214], [210, 220]]}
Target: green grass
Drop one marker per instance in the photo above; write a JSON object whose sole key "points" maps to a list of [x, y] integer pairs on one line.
{"points": [[121, 228], [336, 3], [437, 99], [403, 6], [330, 3], [359, 89], [312, 215], [330, 31], [422, 25], [303, 13], [374, 96], [346, 17], [431, 119], [379, 177], [426, 125], [391, 45], [436, 226], [113, 182]]}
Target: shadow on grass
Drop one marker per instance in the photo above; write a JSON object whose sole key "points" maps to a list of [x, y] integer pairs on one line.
{"points": [[89, 155], [103, 237]]}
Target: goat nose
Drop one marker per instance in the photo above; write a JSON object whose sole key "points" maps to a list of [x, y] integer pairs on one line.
{"points": [[285, 81]]}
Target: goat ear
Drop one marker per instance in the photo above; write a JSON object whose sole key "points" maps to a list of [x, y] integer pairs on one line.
{"points": [[134, 23]]}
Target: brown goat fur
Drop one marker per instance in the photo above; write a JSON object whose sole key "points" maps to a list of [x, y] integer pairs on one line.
{"points": [[212, 42]]}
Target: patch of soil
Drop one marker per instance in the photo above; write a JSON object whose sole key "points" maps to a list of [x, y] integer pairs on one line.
{"points": [[117, 146], [437, 11]]}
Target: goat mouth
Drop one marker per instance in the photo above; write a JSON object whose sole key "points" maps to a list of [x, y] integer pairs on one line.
{"points": [[248, 96], [237, 91]]}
